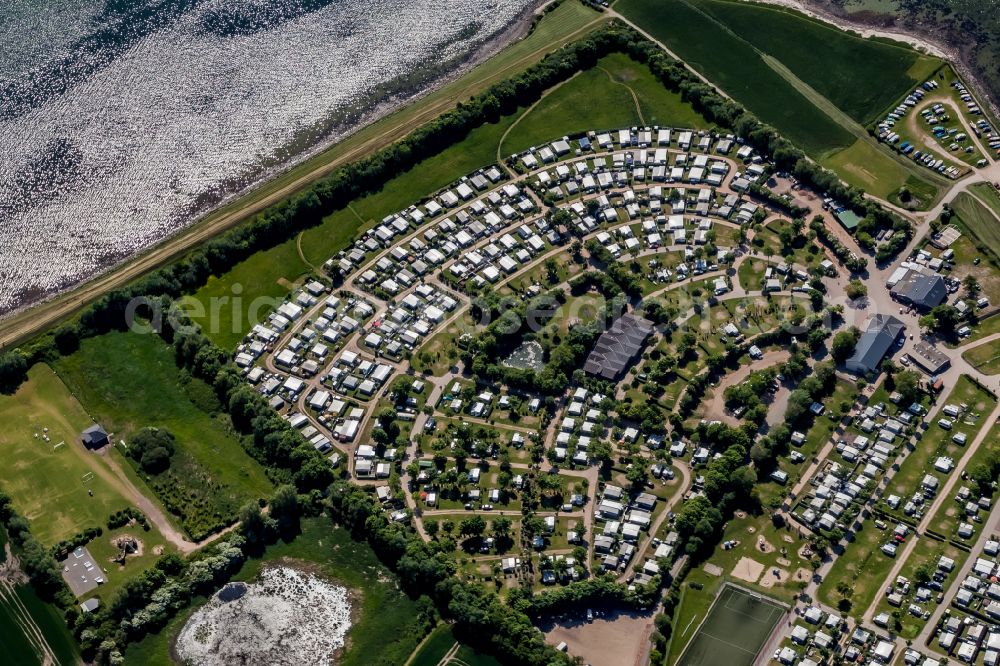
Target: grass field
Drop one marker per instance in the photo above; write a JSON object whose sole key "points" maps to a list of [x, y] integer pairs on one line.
{"points": [[937, 441], [863, 77], [44, 479], [20, 604], [385, 631], [945, 520], [982, 222], [735, 66], [735, 629], [618, 92], [984, 358], [742, 48], [129, 381], [864, 165]]}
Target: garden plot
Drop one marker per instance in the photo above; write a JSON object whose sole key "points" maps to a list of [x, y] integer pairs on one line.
{"points": [[285, 617]]}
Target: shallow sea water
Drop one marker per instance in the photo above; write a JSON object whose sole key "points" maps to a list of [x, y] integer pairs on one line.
{"points": [[121, 121]]}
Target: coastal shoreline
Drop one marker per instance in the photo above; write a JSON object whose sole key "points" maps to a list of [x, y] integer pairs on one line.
{"points": [[494, 43]]}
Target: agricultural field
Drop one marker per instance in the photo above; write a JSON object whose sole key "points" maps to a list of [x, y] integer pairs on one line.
{"points": [[863, 77], [737, 68], [48, 644], [387, 624], [51, 481], [129, 381], [742, 49]]}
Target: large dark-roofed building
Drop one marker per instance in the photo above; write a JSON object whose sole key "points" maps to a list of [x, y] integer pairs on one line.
{"points": [[618, 347], [920, 290], [874, 343], [94, 437], [929, 358]]}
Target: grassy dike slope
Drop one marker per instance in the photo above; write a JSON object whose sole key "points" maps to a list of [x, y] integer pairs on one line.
{"points": [[618, 92], [567, 22]]}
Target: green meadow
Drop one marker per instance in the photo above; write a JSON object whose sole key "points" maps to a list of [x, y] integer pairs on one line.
{"points": [[129, 381]]}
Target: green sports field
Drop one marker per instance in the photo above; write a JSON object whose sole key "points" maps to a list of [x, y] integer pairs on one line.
{"points": [[46, 478], [736, 628]]}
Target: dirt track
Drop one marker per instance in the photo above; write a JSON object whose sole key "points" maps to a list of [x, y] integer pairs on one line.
{"points": [[29, 322]]}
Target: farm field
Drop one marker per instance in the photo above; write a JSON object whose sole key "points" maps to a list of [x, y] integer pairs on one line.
{"points": [[388, 625], [735, 66], [20, 604], [863, 77], [789, 94], [46, 479], [734, 630], [129, 381]]}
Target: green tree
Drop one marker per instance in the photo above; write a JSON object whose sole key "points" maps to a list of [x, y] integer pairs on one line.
{"points": [[152, 448]]}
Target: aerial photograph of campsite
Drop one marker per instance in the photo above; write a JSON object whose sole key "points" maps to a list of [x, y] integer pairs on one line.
{"points": [[506, 333]]}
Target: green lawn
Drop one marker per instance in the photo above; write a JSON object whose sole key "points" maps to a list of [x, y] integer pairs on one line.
{"points": [[602, 98], [866, 166], [435, 647], [863, 77], [945, 521], [751, 274], [927, 555], [733, 63], [862, 568], [46, 482], [128, 381], [984, 358]]}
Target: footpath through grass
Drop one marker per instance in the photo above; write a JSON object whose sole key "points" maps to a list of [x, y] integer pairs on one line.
{"points": [[734, 65], [386, 626], [617, 92], [129, 381], [982, 221]]}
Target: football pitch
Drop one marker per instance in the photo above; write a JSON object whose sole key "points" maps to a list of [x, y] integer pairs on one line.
{"points": [[734, 630]]}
